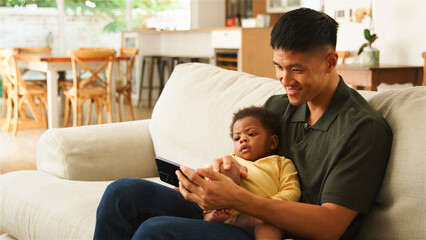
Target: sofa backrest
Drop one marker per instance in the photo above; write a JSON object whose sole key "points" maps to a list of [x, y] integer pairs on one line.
{"points": [[191, 121], [400, 209]]}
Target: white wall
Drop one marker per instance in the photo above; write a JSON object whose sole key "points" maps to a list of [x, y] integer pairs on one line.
{"points": [[207, 13], [400, 25]]}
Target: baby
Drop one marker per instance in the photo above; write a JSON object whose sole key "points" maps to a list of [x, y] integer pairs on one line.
{"points": [[254, 131]]}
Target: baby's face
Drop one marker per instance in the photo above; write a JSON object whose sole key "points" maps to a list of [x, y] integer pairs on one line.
{"points": [[251, 140]]}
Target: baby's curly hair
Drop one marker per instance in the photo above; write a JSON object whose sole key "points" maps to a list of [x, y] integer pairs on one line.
{"points": [[268, 119]]}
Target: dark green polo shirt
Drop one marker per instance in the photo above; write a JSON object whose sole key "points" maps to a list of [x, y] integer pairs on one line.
{"points": [[342, 158]]}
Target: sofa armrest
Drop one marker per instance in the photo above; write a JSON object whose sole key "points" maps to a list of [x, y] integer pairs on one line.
{"points": [[98, 152]]}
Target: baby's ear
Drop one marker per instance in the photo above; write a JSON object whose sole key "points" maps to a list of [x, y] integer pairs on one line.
{"points": [[274, 142]]}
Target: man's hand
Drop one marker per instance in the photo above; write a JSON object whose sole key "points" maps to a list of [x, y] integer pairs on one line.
{"points": [[226, 162], [221, 192], [217, 193]]}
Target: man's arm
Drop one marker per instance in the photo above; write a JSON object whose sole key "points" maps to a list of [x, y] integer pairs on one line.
{"points": [[326, 221]]}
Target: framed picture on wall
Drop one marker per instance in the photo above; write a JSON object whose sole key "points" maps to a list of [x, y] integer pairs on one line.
{"points": [[281, 6]]}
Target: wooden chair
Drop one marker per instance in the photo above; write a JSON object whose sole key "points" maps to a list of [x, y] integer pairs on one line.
{"points": [[62, 83], [92, 84], [20, 96], [5, 84], [124, 80], [36, 50], [32, 51], [343, 55], [424, 69]]}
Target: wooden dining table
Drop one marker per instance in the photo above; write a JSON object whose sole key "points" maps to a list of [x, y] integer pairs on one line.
{"points": [[51, 65]]}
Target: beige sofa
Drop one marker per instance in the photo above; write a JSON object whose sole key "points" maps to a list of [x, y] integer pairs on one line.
{"points": [[190, 125]]}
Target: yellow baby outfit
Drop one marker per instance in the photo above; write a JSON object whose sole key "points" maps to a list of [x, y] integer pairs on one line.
{"points": [[272, 176]]}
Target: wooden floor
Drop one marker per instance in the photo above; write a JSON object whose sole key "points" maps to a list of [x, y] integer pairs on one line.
{"points": [[19, 153]]}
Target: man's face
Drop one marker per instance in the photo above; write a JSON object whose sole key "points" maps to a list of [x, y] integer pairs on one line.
{"points": [[251, 140], [303, 74]]}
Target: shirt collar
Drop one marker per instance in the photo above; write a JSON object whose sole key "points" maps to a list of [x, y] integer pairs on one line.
{"points": [[339, 98]]}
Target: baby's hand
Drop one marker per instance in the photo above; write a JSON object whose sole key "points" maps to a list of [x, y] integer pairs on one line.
{"points": [[219, 215], [226, 162]]}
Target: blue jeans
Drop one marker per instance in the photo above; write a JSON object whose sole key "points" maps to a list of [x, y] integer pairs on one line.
{"points": [[139, 209]]}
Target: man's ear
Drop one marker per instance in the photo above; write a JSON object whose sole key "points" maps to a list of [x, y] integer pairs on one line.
{"points": [[274, 142], [332, 60]]}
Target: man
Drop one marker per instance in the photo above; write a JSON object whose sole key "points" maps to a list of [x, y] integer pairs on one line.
{"points": [[339, 146]]}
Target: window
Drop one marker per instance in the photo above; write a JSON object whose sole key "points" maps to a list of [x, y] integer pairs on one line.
{"points": [[159, 14]]}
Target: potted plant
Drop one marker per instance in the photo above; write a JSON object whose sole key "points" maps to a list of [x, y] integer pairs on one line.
{"points": [[371, 55]]}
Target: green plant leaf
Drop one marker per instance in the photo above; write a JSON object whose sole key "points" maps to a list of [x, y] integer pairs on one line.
{"points": [[362, 48], [367, 34], [373, 38]]}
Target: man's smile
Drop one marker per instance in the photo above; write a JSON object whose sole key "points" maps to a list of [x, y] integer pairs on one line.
{"points": [[291, 91]]}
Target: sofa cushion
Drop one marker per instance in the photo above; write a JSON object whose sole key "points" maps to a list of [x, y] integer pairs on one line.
{"points": [[401, 202], [191, 121], [101, 152], [37, 205]]}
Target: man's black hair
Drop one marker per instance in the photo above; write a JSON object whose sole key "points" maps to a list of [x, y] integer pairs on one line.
{"points": [[304, 30], [267, 118]]}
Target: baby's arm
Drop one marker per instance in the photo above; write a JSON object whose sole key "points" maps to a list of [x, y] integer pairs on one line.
{"points": [[220, 215], [289, 188]]}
